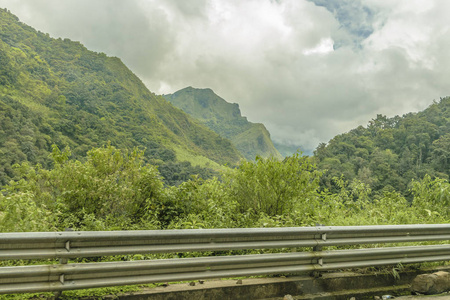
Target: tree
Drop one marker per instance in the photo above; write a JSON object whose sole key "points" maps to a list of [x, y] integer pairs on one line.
{"points": [[274, 187], [8, 75], [431, 199], [112, 187], [440, 154]]}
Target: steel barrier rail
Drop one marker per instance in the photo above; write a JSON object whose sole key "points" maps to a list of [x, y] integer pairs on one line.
{"points": [[108, 243], [61, 277], [76, 276]]}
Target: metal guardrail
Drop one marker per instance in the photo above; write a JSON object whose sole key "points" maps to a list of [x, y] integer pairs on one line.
{"points": [[69, 244]]}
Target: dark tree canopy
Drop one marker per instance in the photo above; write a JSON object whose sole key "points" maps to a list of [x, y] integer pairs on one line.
{"points": [[390, 152]]}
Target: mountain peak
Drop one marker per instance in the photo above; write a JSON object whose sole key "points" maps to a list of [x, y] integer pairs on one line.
{"points": [[197, 90], [225, 118]]}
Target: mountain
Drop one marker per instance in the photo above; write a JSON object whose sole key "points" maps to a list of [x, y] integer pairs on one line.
{"points": [[390, 152], [288, 149], [225, 118], [55, 91]]}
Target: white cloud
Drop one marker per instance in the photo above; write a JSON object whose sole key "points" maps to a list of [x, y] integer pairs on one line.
{"points": [[325, 46]]}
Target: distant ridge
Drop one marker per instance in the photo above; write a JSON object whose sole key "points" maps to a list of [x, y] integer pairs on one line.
{"points": [[225, 118]]}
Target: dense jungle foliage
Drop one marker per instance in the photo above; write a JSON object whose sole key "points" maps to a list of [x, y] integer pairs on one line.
{"points": [[114, 189], [391, 152], [225, 118], [55, 91]]}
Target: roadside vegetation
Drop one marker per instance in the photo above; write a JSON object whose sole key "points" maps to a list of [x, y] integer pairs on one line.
{"points": [[113, 189]]}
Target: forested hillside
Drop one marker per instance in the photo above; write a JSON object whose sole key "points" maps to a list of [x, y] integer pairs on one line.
{"points": [[390, 152], [225, 119], [55, 91]]}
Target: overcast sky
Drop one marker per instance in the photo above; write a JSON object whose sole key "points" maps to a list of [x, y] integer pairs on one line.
{"points": [[308, 70]]}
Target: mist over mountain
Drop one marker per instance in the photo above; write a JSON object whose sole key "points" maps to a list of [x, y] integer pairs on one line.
{"points": [[288, 149], [225, 118]]}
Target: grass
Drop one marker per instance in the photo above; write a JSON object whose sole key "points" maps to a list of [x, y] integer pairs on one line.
{"points": [[196, 160]]}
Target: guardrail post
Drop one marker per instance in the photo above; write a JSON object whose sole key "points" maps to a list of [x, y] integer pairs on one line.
{"points": [[318, 248], [63, 261]]}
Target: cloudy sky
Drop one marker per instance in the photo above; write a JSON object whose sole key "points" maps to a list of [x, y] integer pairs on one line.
{"points": [[307, 69]]}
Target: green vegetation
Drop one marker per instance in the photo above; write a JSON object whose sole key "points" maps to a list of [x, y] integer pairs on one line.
{"points": [[225, 119], [391, 152], [55, 91], [114, 189]]}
